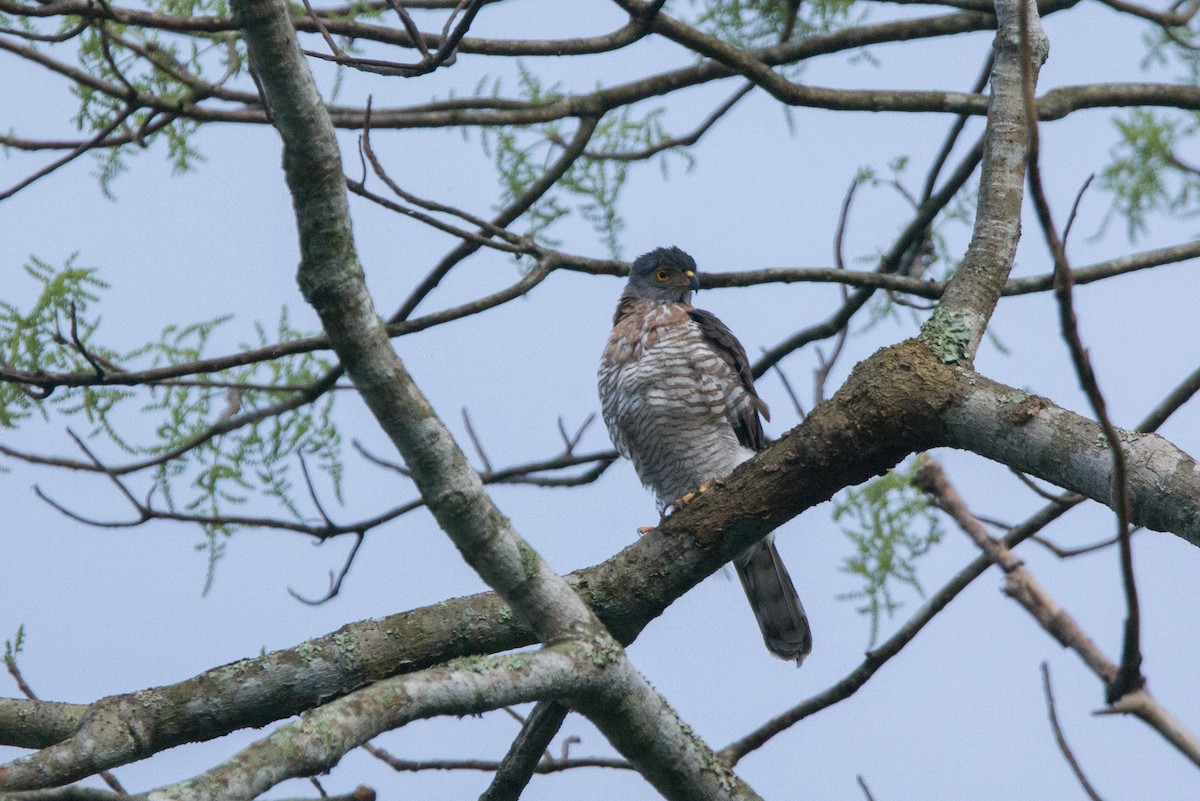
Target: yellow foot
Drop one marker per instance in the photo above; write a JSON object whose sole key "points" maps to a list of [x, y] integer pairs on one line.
{"points": [[688, 497], [644, 530]]}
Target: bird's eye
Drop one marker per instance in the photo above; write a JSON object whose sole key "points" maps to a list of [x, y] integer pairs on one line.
{"points": [[661, 275]]}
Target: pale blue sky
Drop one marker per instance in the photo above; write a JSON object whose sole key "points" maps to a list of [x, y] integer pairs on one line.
{"points": [[959, 714]]}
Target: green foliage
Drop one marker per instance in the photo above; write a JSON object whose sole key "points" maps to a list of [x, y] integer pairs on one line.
{"points": [[144, 62], [199, 473], [758, 23], [257, 459], [14, 646], [891, 525], [1146, 175], [593, 183], [40, 339]]}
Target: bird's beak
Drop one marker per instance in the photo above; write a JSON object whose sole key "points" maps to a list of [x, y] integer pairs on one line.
{"points": [[693, 280]]}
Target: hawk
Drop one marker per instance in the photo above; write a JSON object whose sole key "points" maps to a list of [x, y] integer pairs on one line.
{"points": [[679, 402]]}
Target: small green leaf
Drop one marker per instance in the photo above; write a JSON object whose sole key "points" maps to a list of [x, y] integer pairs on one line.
{"points": [[890, 525]]}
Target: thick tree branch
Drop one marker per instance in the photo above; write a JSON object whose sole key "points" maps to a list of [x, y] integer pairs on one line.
{"points": [[27, 723], [1036, 437], [621, 703], [958, 324], [319, 739], [899, 401]]}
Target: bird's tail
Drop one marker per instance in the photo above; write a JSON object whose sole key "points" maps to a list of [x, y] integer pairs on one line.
{"points": [[774, 601]]}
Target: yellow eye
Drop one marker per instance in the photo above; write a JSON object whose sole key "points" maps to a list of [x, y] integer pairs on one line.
{"points": [[661, 275]]}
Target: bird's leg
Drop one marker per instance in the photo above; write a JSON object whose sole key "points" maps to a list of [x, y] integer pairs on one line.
{"points": [[688, 497], [679, 503]]}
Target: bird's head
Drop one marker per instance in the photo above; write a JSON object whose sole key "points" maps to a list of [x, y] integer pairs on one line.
{"points": [[665, 275]]}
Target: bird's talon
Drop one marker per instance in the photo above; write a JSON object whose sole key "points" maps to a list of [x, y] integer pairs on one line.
{"points": [[688, 497], [644, 530]]}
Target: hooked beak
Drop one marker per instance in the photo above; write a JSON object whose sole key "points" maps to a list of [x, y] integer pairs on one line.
{"points": [[693, 280]]}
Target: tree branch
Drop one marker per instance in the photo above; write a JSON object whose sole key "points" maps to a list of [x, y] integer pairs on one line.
{"points": [[957, 325], [1058, 623], [621, 703]]}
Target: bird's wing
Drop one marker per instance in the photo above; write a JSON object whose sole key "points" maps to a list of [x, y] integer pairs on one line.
{"points": [[747, 406]]}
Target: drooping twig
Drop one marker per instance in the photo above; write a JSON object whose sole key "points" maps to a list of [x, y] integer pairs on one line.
{"points": [[1061, 739], [1129, 678], [335, 581]]}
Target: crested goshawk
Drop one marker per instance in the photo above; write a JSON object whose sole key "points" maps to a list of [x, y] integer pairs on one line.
{"points": [[679, 402]]}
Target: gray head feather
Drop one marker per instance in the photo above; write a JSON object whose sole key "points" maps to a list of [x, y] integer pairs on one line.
{"points": [[665, 275]]}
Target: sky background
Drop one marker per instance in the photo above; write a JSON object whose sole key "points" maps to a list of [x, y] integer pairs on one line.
{"points": [[958, 714]]}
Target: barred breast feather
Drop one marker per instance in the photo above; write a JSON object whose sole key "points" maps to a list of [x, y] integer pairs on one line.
{"points": [[678, 399], [670, 401]]}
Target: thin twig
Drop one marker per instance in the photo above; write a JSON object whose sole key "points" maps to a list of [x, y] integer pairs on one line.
{"points": [[312, 493], [1061, 739], [379, 460], [825, 365], [335, 582], [483, 457], [1068, 553], [1075, 209], [1129, 678], [787, 387]]}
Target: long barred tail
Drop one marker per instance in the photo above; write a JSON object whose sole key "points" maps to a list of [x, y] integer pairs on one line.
{"points": [[774, 601]]}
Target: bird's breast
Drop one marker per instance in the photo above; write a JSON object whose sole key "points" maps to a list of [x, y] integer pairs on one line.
{"points": [[664, 396]]}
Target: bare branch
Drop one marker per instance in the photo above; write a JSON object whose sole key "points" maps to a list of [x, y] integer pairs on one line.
{"points": [[1023, 588], [335, 582], [320, 738], [914, 231], [535, 191], [83, 147]]}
